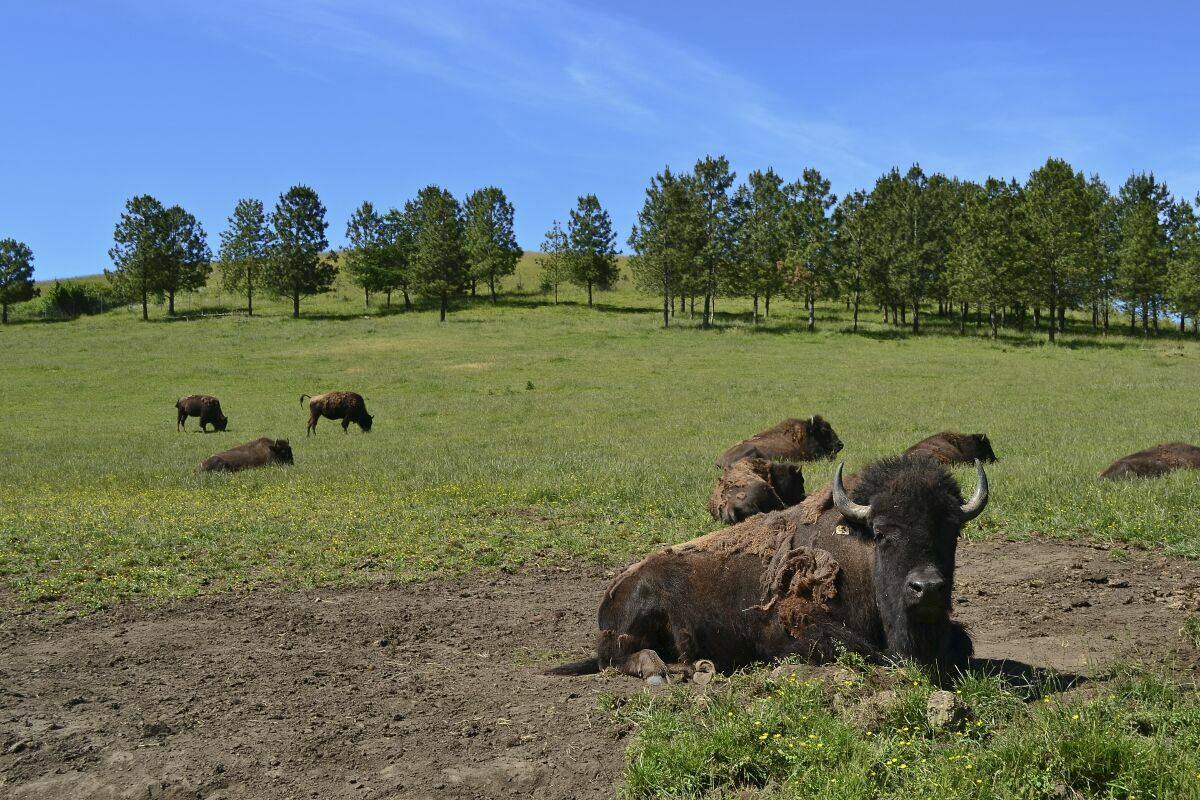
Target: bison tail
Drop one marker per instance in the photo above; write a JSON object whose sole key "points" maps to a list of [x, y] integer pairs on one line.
{"points": [[309, 396], [588, 666]]}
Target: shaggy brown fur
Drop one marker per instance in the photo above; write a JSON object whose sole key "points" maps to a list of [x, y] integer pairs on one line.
{"points": [[949, 447], [752, 486], [790, 440], [1157, 460], [346, 406], [204, 406], [258, 453]]}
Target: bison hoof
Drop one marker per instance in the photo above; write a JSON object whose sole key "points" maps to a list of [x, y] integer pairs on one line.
{"points": [[647, 665]]}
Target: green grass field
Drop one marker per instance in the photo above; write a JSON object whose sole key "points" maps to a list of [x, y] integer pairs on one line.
{"points": [[529, 433], [525, 432]]}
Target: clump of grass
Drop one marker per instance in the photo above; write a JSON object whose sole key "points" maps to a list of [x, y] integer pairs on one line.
{"points": [[1135, 736], [1191, 630]]}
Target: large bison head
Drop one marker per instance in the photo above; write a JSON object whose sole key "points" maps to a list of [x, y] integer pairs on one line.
{"points": [[978, 446], [221, 422], [822, 441], [913, 510]]}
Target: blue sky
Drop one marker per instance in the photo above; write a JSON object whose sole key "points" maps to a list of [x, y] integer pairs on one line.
{"points": [[203, 103]]}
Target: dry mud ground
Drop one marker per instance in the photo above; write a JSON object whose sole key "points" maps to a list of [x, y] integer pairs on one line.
{"points": [[434, 690]]}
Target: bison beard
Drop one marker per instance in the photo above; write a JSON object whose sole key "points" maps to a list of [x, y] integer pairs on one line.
{"points": [[872, 574]]}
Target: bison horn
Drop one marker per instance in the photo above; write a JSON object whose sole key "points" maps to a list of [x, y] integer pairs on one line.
{"points": [[850, 509], [974, 507]]}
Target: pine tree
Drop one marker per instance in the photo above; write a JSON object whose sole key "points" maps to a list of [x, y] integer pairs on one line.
{"points": [[1143, 246], [16, 275], [186, 258], [399, 236], [759, 209], [296, 267], [664, 239], [554, 261], [711, 181], [364, 258], [810, 238], [245, 245], [491, 244], [137, 251], [439, 265], [592, 243], [849, 248], [1183, 264]]}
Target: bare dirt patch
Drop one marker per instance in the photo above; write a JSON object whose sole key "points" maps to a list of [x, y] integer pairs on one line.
{"points": [[435, 690]]}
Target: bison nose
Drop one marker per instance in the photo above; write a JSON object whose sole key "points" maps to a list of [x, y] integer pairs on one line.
{"points": [[926, 588]]}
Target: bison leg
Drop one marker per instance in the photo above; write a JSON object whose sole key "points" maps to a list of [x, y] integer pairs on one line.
{"points": [[312, 425], [346, 425], [179, 423]]}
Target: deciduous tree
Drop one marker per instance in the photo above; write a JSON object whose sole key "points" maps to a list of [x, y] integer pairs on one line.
{"points": [[16, 275]]}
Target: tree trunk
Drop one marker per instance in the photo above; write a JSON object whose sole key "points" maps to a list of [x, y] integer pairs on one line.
{"points": [[978, 315], [388, 295], [1145, 318], [704, 321], [916, 317], [1050, 319], [407, 301], [1133, 318], [555, 293], [767, 306], [1062, 317], [1037, 318], [492, 287], [1104, 317], [666, 303], [589, 294], [962, 319], [812, 312], [1095, 316], [367, 297], [295, 305], [249, 299], [4, 314], [1154, 313], [1182, 321], [444, 303], [856, 300], [472, 288], [171, 303], [992, 316], [903, 314]]}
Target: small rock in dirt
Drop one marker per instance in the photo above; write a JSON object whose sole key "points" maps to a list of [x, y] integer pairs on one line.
{"points": [[871, 712], [946, 711], [1081, 602], [156, 728], [1119, 583]]}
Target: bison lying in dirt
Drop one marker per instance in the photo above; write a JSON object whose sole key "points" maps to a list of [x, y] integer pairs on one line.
{"points": [[752, 486], [949, 447], [872, 571], [1155, 460], [207, 408], [258, 453], [790, 440], [346, 406]]}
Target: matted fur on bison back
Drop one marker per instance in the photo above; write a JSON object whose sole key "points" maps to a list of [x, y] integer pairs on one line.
{"points": [[790, 440]]}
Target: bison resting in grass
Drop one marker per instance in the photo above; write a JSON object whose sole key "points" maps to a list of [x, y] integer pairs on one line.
{"points": [[346, 406], [258, 453], [949, 447], [871, 571], [207, 408], [1156, 460], [790, 440], [752, 486]]}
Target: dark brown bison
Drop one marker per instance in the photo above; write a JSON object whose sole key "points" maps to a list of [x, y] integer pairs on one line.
{"points": [[346, 406], [790, 440], [949, 447], [258, 453], [752, 486], [207, 408], [1155, 460], [871, 571]]}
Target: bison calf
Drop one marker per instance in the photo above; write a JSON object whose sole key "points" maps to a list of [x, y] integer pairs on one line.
{"points": [[1157, 460], [752, 486], [790, 440], [949, 447], [204, 406], [346, 406], [258, 453]]}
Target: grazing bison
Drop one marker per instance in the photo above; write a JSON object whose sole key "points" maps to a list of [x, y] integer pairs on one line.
{"points": [[949, 447], [207, 408], [1156, 460], [871, 571], [346, 406], [258, 453], [752, 486], [790, 440]]}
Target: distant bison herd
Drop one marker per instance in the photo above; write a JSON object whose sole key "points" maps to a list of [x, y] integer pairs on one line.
{"points": [[346, 406]]}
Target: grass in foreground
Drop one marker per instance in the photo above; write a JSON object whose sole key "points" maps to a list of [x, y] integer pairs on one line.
{"points": [[524, 433], [1133, 736]]}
